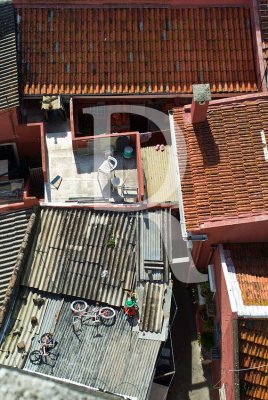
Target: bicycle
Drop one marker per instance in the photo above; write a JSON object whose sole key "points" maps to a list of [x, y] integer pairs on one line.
{"points": [[94, 315], [41, 355]]}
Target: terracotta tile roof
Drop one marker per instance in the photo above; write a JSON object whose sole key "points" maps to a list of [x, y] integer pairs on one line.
{"points": [[226, 173], [253, 352], [263, 9], [135, 50], [251, 266]]}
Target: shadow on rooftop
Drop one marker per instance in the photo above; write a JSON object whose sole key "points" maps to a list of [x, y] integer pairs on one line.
{"points": [[207, 145]]}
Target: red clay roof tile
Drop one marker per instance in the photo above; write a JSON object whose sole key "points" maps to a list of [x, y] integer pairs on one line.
{"points": [[263, 9], [250, 261], [253, 353], [135, 50], [226, 172]]}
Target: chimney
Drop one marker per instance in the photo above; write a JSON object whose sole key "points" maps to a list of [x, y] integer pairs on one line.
{"points": [[201, 98]]}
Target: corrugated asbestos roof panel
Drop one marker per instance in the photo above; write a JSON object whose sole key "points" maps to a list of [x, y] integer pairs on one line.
{"points": [[12, 229], [253, 353], [151, 312], [226, 171], [9, 95], [159, 170], [71, 254], [21, 329], [111, 358], [135, 50]]}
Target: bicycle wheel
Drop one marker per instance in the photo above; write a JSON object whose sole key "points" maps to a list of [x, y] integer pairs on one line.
{"points": [[79, 306], [107, 312], [35, 357]]}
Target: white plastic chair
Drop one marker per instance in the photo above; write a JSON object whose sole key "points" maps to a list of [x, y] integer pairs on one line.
{"points": [[108, 166]]}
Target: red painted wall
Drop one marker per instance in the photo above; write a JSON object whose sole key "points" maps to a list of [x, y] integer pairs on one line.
{"points": [[242, 230], [221, 368], [8, 123], [28, 140]]}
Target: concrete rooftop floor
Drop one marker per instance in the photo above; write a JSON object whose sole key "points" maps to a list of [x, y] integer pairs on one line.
{"points": [[79, 172]]}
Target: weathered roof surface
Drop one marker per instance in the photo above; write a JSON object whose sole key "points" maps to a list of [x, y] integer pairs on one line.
{"points": [[160, 175], [263, 9], [12, 229], [250, 261], [17, 384], [253, 353], [226, 171], [134, 50], [72, 254], [111, 358], [21, 329], [154, 245], [151, 312], [9, 95]]}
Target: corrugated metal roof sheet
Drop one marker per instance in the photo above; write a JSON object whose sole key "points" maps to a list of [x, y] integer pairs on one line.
{"points": [[160, 175], [154, 245], [111, 358], [151, 224], [9, 95], [74, 248], [12, 229]]}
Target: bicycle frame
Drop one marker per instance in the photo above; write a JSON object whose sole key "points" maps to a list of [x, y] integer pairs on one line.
{"points": [[94, 314]]}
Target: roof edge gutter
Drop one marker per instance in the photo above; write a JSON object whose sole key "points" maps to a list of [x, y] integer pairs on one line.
{"points": [[177, 168], [227, 280]]}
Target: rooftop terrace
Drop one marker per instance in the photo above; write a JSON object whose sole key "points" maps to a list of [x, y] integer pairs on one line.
{"points": [[81, 173]]}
